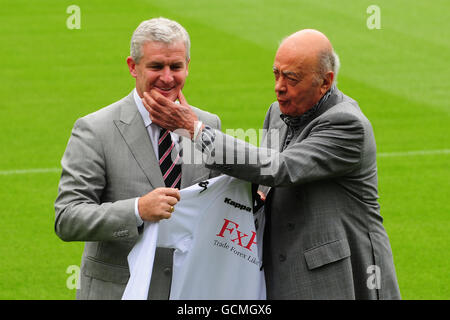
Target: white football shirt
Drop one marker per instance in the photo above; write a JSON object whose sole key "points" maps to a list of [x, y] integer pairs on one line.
{"points": [[218, 249]]}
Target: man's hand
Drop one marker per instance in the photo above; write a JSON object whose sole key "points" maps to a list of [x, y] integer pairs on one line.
{"points": [[262, 195], [158, 204], [170, 115]]}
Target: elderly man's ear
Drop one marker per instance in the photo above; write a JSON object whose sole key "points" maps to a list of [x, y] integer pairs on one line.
{"points": [[327, 82]]}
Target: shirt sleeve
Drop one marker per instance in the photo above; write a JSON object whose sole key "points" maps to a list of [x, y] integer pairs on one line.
{"points": [[139, 221], [332, 148]]}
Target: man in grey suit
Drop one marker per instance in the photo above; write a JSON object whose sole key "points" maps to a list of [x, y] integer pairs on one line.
{"points": [[324, 237], [112, 170]]}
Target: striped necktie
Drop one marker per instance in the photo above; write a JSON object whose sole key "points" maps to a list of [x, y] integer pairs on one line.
{"points": [[171, 170]]}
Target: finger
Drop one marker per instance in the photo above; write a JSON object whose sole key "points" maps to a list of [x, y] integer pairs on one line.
{"points": [[182, 99], [151, 112], [172, 192], [172, 200], [262, 195], [149, 102], [166, 211], [166, 215], [146, 105], [170, 209], [159, 98], [156, 112], [146, 98]]}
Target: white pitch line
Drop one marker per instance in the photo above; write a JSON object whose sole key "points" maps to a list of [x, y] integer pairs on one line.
{"points": [[28, 171], [413, 153], [381, 154]]}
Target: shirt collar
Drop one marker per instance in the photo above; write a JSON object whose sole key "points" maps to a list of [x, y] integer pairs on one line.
{"points": [[144, 113]]}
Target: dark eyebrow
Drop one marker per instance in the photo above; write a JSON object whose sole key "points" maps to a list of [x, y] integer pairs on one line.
{"points": [[161, 64], [288, 73], [292, 74], [154, 63]]}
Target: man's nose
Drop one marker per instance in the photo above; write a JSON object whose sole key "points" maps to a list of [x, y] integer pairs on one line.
{"points": [[166, 75], [280, 85]]}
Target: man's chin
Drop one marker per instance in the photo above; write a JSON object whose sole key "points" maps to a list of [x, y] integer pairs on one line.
{"points": [[172, 95], [285, 108]]}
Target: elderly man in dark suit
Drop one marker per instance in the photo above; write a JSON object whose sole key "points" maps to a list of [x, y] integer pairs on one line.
{"points": [[324, 236], [120, 168]]}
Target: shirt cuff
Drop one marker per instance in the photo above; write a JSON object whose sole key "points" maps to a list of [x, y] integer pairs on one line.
{"points": [[139, 221]]}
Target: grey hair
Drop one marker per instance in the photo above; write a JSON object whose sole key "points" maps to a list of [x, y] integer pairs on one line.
{"points": [[328, 61], [158, 30]]}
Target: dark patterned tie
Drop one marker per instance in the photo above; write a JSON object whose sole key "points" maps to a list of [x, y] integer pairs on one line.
{"points": [[170, 169]]}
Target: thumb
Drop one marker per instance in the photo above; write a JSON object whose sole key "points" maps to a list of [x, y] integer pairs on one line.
{"points": [[182, 99]]}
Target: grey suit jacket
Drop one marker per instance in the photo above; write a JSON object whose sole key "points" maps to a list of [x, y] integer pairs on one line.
{"points": [[324, 236], [108, 162]]}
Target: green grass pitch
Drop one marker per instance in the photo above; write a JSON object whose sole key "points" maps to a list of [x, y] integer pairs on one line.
{"points": [[51, 75]]}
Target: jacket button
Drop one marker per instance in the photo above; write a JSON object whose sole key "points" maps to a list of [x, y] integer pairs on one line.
{"points": [[291, 226], [168, 271], [282, 257]]}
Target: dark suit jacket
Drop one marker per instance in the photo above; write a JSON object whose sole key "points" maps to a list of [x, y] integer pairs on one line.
{"points": [[108, 162], [324, 234]]}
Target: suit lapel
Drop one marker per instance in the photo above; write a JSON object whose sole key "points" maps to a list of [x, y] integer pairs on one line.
{"points": [[133, 131], [281, 128], [283, 133]]}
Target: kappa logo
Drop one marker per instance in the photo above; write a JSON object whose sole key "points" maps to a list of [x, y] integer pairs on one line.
{"points": [[204, 185], [237, 205]]}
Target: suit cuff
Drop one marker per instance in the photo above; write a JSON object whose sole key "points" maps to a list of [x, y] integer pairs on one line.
{"points": [[205, 142], [139, 221]]}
